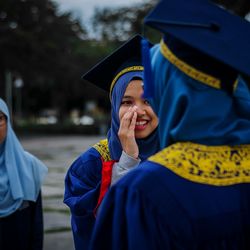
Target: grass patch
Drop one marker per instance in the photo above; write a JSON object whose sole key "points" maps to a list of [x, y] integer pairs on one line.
{"points": [[51, 197], [57, 230], [56, 210]]}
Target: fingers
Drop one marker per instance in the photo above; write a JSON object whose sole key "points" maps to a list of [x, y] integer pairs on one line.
{"points": [[133, 121], [127, 124], [126, 132], [129, 116]]}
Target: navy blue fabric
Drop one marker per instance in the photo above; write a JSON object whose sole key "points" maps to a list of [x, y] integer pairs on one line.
{"points": [[206, 27], [154, 209], [227, 75], [23, 229], [103, 73]]}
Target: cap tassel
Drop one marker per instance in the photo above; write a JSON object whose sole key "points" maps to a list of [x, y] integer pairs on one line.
{"points": [[148, 78]]}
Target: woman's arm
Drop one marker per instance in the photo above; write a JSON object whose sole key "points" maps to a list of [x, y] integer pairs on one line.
{"points": [[121, 168]]}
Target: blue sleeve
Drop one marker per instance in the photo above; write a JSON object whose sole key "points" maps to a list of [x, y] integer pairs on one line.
{"points": [[128, 221], [82, 187]]}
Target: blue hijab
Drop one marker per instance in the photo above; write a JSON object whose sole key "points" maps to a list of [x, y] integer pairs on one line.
{"points": [[21, 174], [147, 146], [197, 112]]}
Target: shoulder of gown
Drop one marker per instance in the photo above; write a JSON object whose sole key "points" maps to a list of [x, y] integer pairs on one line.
{"points": [[82, 182], [154, 208]]}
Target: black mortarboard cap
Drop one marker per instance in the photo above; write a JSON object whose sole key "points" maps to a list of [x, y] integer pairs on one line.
{"points": [[207, 27], [108, 70]]}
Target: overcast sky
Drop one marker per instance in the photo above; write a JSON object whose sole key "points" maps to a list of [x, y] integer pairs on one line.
{"points": [[83, 9]]}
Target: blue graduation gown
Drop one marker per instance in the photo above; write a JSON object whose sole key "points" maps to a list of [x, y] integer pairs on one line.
{"points": [[82, 190], [177, 202]]}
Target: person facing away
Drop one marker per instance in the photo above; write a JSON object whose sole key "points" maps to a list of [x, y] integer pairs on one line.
{"points": [[131, 138], [21, 178], [195, 192]]}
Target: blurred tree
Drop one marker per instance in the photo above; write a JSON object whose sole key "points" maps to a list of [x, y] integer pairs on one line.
{"points": [[50, 51], [44, 49], [118, 24]]}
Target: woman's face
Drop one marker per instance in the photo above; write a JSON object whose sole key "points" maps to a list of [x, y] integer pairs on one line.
{"points": [[147, 120], [3, 127]]}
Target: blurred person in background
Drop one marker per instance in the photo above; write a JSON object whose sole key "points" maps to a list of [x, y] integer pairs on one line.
{"points": [[21, 178], [195, 192], [132, 138]]}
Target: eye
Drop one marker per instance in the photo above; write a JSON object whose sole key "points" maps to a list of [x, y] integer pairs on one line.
{"points": [[127, 103], [146, 102], [2, 119]]}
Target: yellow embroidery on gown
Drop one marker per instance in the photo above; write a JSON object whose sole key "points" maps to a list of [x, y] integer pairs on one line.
{"points": [[214, 165], [102, 148], [191, 71]]}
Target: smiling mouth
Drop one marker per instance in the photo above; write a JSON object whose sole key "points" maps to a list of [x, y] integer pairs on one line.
{"points": [[141, 125]]}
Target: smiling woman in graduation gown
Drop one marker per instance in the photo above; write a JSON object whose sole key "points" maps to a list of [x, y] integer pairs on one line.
{"points": [[89, 177]]}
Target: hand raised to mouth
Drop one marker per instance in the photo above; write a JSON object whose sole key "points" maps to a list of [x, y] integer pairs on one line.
{"points": [[126, 132]]}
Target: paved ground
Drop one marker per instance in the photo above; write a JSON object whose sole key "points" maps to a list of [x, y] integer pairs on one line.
{"points": [[57, 152]]}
